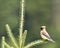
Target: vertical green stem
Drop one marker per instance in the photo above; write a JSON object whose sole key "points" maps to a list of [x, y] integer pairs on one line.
{"points": [[24, 38], [21, 23], [3, 40]]}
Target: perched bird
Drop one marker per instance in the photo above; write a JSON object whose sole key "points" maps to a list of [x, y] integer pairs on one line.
{"points": [[44, 34]]}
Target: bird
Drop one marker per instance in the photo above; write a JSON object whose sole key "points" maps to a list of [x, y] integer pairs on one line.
{"points": [[45, 35]]}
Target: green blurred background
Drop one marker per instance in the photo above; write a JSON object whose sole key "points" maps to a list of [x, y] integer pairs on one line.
{"points": [[37, 13]]}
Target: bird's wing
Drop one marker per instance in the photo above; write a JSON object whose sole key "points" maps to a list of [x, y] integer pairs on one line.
{"points": [[46, 35]]}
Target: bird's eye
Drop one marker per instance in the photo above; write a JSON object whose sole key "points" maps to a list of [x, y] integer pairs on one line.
{"points": [[41, 28]]}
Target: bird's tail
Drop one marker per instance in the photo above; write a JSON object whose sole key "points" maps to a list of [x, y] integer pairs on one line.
{"points": [[52, 40]]}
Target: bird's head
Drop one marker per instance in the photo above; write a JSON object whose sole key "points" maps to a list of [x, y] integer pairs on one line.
{"points": [[43, 27]]}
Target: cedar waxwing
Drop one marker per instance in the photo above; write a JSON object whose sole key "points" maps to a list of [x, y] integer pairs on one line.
{"points": [[44, 34]]}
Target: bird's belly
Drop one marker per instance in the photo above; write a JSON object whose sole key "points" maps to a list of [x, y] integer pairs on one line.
{"points": [[43, 37]]}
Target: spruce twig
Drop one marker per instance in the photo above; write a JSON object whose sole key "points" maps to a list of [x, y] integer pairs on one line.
{"points": [[24, 37], [37, 42], [11, 35], [7, 45], [3, 40], [21, 23]]}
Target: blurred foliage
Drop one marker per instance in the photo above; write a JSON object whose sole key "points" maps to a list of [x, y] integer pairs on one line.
{"points": [[37, 13]]}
